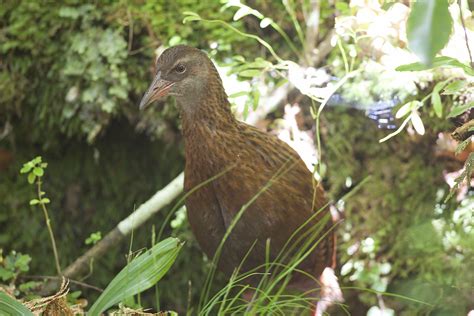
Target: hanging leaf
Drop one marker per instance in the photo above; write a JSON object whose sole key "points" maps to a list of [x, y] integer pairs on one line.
{"points": [[31, 178], [245, 113], [436, 99], [407, 108], [417, 123], [243, 11], [428, 28], [256, 98]]}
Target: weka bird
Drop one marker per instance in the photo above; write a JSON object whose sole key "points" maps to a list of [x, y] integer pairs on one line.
{"points": [[247, 158]]}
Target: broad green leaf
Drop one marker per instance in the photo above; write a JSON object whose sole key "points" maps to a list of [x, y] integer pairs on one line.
{"points": [[250, 73], [39, 172], [45, 201], [239, 58], [140, 274], [174, 40], [26, 167], [428, 28], [442, 61], [259, 63], [256, 98], [31, 178], [454, 87], [436, 102], [10, 306], [245, 113], [436, 99], [458, 110], [34, 201], [417, 123], [238, 94]]}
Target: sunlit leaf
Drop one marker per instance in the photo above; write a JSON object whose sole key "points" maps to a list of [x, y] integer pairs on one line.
{"points": [[407, 108], [436, 99], [238, 94], [245, 113], [39, 172], [250, 73], [34, 201], [428, 28], [265, 22], [442, 61], [417, 123], [31, 178], [454, 87], [26, 168], [458, 110], [243, 11], [256, 98]]}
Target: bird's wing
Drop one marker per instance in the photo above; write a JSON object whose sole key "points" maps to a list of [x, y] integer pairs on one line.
{"points": [[276, 190]]}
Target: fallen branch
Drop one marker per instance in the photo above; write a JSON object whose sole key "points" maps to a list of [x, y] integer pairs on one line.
{"points": [[159, 200]]}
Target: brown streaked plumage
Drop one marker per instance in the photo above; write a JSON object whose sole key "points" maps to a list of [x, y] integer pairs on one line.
{"points": [[215, 141]]}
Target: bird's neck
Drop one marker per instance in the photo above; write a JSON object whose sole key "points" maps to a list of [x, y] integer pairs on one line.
{"points": [[208, 112]]}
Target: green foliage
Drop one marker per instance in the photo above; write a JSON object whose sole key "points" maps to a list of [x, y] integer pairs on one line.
{"points": [[438, 62], [140, 274], [72, 75], [93, 238], [35, 171], [10, 306], [428, 28], [12, 265], [399, 219]]}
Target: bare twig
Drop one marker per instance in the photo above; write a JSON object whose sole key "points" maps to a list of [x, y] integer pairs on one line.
{"points": [[312, 28], [464, 131], [50, 277], [48, 225], [465, 33], [130, 30]]}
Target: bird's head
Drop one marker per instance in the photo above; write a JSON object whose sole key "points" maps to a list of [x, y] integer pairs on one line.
{"points": [[181, 71]]}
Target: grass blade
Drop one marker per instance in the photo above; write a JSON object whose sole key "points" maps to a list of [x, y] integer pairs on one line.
{"points": [[10, 306]]}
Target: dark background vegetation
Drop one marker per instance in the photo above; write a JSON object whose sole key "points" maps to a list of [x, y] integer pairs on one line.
{"points": [[71, 77]]}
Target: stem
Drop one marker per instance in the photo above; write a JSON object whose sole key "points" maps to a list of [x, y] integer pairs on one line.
{"points": [[465, 33], [50, 229]]}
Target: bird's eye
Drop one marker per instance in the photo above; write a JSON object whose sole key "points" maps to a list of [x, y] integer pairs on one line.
{"points": [[180, 69]]}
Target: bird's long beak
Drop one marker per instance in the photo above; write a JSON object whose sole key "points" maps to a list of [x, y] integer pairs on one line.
{"points": [[158, 88]]}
